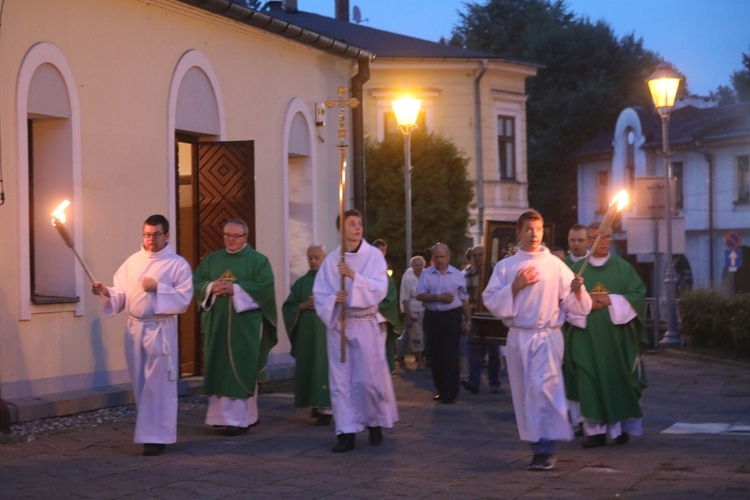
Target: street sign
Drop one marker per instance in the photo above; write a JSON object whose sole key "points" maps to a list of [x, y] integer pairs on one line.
{"points": [[732, 259], [732, 240]]}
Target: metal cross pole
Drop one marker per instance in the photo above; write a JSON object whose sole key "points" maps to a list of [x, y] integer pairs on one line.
{"points": [[342, 145]]}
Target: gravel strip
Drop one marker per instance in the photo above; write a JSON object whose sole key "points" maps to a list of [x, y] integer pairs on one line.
{"points": [[24, 432]]}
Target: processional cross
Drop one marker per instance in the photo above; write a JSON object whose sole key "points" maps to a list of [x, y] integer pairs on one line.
{"points": [[342, 104]]}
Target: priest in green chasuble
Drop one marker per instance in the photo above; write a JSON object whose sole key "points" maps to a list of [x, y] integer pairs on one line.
{"points": [[308, 336], [235, 290], [604, 369], [390, 313]]}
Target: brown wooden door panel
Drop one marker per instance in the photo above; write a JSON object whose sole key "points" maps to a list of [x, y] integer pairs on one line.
{"points": [[223, 181], [226, 190]]}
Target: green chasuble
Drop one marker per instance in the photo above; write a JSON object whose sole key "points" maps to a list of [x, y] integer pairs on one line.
{"points": [[307, 334], [390, 310], [605, 359], [236, 344]]}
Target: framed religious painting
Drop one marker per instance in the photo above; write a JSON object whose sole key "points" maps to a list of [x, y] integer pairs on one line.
{"points": [[500, 241]]}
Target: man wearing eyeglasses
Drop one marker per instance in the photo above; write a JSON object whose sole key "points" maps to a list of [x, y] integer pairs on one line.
{"points": [[154, 285], [235, 291], [605, 367]]}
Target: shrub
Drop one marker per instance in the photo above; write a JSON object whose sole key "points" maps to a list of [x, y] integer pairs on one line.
{"points": [[739, 324], [699, 311]]}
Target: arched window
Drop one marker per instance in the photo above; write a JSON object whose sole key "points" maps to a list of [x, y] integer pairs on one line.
{"points": [[300, 187], [630, 158], [49, 172]]}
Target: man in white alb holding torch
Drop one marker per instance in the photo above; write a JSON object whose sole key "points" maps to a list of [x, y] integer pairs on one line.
{"points": [[533, 292], [153, 285]]}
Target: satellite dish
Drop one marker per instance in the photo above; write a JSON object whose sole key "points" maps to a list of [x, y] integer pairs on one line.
{"points": [[357, 15]]}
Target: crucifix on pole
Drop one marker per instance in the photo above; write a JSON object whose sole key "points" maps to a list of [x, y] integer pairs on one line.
{"points": [[342, 104]]}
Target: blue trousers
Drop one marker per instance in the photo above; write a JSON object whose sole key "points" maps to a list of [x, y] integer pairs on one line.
{"points": [[477, 352]]}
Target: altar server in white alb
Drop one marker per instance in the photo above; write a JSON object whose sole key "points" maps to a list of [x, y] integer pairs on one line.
{"points": [[361, 387], [154, 285], [533, 292]]}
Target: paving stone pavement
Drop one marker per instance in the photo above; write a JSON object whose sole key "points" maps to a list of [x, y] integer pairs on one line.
{"points": [[469, 449]]}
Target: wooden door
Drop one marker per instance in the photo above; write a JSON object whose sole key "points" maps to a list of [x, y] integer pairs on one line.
{"points": [[226, 190], [217, 185]]}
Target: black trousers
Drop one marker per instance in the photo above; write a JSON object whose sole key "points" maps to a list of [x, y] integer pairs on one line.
{"points": [[442, 330]]}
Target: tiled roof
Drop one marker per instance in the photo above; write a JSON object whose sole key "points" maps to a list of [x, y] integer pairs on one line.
{"points": [[688, 126], [384, 44]]}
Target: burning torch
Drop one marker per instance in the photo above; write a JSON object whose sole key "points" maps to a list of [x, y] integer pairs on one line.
{"points": [[619, 202], [58, 220]]}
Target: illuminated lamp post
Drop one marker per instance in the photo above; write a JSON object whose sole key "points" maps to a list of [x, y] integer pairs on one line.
{"points": [[406, 110], [663, 84]]}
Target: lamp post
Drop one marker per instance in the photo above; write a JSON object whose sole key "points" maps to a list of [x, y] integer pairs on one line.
{"points": [[663, 84], [406, 110]]}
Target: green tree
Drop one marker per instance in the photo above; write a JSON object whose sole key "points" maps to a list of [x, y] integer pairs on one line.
{"points": [[441, 194], [587, 77], [725, 95], [741, 80]]}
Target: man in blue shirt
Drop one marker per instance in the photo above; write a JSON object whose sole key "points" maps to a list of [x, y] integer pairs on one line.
{"points": [[442, 290]]}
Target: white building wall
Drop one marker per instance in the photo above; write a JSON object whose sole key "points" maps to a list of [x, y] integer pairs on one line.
{"points": [[123, 55], [700, 239]]}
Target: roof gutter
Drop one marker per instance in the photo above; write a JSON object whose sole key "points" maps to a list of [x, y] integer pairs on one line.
{"points": [[270, 24]]}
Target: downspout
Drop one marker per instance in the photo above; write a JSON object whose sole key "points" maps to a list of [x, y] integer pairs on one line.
{"points": [[358, 137], [710, 160], [478, 149]]}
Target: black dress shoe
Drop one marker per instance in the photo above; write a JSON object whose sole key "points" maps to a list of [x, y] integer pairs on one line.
{"points": [[471, 387], [622, 438], [376, 436], [345, 443], [231, 430], [153, 449], [595, 441], [323, 419]]}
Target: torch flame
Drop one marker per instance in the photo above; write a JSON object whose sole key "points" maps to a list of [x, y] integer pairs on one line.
{"points": [[59, 213], [622, 199]]}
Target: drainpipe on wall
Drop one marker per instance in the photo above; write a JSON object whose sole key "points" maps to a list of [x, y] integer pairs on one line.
{"points": [[478, 149], [358, 137], [710, 160]]}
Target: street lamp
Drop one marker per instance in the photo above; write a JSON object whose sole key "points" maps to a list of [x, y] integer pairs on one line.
{"points": [[406, 110], [663, 84]]}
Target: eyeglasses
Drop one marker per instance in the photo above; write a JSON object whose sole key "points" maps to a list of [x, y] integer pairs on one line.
{"points": [[234, 236], [152, 235]]}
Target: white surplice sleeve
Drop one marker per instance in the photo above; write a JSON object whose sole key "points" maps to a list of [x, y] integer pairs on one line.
{"points": [[117, 293], [368, 290], [174, 293], [326, 284], [115, 303], [242, 301], [620, 310], [498, 295]]}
